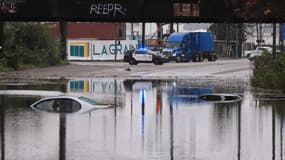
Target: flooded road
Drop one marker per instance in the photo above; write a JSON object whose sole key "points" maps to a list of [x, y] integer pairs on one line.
{"points": [[149, 119]]}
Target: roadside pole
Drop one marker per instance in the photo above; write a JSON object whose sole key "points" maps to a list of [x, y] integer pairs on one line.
{"points": [[171, 30], [116, 39], [177, 27], [141, 12], [1, 35], [274, 41], [132, 31], [240, 39], [143, 35], [281, 36], [63, 35]]}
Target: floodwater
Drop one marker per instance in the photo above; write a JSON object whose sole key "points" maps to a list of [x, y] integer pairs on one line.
{"points": [[148, 120]]}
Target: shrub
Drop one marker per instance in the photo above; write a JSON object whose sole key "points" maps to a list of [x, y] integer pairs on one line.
{"points": [[29, 44], [269, 73]]}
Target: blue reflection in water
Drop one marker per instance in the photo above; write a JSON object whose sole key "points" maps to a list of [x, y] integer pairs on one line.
{"points": [[142, 100]]}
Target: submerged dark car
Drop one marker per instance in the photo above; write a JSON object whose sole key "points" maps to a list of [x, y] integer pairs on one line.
{"points": [[220, 98], [134, 57]]}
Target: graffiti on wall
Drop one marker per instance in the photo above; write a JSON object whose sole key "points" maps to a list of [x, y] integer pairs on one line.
{"points": [[8, 6], [108, 9], [98, 49], [112, 49]]}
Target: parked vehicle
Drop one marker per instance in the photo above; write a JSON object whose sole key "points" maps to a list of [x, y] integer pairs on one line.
{"points": [[251, 54], [186, 46], [134, 57]]}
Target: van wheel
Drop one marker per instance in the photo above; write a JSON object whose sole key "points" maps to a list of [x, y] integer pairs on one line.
{"points": [[194, 58], [212, 58], [200, 59], [215, 57]]}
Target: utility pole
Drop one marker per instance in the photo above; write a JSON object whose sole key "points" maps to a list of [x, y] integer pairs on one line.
{"points": [[257, 34], [227, 38], [63, 35], [280, 37], [171, 30], [132, 31], [159, 34], [177, 27], [274, 41], [141, 11], [116, 40], [240, 39], [143, 34], [260, 33], [1, 35]]}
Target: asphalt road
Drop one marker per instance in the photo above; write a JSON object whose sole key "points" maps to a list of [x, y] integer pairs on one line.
{"points": [[225, 68]]}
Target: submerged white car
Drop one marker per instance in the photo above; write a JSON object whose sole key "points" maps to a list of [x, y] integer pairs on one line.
{"points": [[68, 104]]}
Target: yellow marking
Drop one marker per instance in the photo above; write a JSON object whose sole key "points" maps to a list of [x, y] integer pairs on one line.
{"points": [[86, 86]]}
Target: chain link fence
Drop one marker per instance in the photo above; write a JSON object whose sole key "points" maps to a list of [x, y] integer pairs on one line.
{"points": [[226, 48]]}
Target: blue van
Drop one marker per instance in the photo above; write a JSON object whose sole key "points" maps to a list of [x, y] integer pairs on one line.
{"points": [[186, 46]]}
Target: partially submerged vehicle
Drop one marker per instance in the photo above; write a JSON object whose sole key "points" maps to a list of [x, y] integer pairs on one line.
{"points": [[220, 98], [68, 104], [39, 93]]}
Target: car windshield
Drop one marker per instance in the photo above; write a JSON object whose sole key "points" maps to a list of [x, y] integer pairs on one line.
{"points": [[88, 100], [173, 44]]}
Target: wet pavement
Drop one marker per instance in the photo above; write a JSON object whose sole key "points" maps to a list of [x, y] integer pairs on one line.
{"points": [[149, 119], [222, 69]]}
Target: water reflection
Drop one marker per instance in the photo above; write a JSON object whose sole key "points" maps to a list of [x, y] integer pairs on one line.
{"points": [[152, 119], [2, 128], [103, 91], [278, 113], [62, 137]]}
